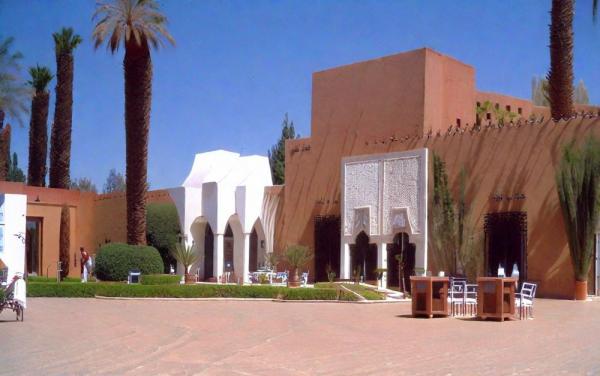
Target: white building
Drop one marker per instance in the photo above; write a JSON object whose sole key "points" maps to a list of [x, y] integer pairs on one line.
{"points": [[221, 211]]}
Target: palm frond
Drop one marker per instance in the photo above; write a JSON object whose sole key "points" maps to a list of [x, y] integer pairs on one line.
{"points": [[65, 40], [40, 78], [123, 21]]}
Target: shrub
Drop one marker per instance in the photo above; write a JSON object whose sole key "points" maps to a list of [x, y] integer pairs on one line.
{"points": [[160, 279], [40, 279], [115, 260], [162, 230], [110, 289]]}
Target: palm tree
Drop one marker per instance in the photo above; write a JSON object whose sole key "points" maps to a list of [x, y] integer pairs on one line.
{"points": [[13, 96], [136, 24], [560, 76], [38, 126], [65, 41]]}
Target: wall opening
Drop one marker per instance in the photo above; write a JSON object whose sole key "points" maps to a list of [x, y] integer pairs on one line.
{"points": [[327, 245], [363, 258], [401, 246], [506, 243], [209, 250], [33, 245]]}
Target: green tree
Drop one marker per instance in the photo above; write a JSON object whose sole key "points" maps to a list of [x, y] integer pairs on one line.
{"points": [[539, 92], [64, 243], [277, 152], [38, 126], [162, 230], [442, 225], [65, 42], [15, 173], [115, 182], [578, 185], [83, 185], [560, 76], [581, 95], [138, 25]]}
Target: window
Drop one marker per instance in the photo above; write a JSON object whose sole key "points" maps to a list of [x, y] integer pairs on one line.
{"points": [[520, 111], [508, 108], [458, 123], [488, 116], [33, 245], [497, 106], [478, 104]]}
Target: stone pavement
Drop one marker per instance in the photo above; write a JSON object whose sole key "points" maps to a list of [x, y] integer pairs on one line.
{"points": [[112, 337]]}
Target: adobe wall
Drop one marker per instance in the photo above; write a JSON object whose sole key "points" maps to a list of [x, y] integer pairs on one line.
{"points": [[507, 161]]}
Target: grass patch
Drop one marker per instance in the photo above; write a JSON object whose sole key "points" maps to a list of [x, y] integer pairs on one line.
{"points": [[88, 290], [160, 279], [365, 292]]}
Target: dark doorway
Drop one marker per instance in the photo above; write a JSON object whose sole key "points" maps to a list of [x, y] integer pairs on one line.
{"points": [[364, 255], [327, 246], [506, 243], [228, 250], [400, 246], [33, 245], [253, 251], [209, 250]]}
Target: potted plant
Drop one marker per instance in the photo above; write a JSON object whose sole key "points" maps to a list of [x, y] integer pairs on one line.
{"points": [[297, 256], [187, 256], [330, 273], [578, 185], [400, 259], [271, 260]]}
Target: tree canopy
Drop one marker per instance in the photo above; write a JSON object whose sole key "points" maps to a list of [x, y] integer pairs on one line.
{"points": [[277, 152], [115, 182]]}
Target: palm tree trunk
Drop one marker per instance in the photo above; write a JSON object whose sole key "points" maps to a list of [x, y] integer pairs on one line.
{"points": [[38, 140], [138, 98], [4, 152], [60, 139], [560, 77]]}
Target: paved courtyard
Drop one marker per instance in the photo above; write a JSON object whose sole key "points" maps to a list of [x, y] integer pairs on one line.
{"points": [[90, 336]]}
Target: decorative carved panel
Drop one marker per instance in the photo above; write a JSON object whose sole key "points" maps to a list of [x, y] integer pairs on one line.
{"points": [[361, 189], [401, 189]]}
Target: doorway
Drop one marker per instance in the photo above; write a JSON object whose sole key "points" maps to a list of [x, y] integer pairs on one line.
{"points": [[400, 246], [327, 246], [228, 250], [253, 251], [33, 245], [506, 243], [363, 256], [209, 250]]}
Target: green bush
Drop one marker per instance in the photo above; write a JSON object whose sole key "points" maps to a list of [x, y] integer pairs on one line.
{"points": [[88, 290], [162, 230], [115, 260], [365, 292], [160, 279]]}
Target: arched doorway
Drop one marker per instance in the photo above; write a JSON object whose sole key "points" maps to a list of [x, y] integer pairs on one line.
{"points": [[228, 244], [363, 256], [253, 251], [208, 252], [400, 246]]}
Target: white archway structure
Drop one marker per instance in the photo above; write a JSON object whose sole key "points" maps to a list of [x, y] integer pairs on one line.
{"points": [[383, 194], [223, 189]]}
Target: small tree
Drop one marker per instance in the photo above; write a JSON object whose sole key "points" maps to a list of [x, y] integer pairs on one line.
{"points": [[442, 235], [187, 256], [297, 256], [578, 185], [162, 230], [64, 245], [115, 182], [277, 152], [271, 259], [84, 185], [14, 171]]}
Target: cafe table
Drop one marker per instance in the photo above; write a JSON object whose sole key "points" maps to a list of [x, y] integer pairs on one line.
{"points": [[496, 297]]}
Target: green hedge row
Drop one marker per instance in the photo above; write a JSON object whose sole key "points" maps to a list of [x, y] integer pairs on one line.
{"points": [[33, 278], [88, 290], [365, 292], [160, 279]]}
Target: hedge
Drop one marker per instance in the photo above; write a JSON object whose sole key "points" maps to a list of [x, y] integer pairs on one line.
{"points": [[88, 290], [39, 279], [365, 292], [115, 260], [162, 230], [160, 279]]}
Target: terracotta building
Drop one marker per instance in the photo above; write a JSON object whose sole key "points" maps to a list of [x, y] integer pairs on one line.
{"points": [[357, 190]]}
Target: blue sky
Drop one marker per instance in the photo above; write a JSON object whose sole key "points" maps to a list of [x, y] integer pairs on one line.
{"points": [[239, 66]]}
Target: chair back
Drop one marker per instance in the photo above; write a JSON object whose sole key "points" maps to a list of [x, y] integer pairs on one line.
{"points": [[457, 289], [528, 290]]}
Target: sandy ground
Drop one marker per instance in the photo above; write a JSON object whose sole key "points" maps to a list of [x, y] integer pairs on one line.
{"points": [[112, 337]]}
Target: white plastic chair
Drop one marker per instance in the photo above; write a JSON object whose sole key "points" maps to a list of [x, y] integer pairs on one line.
{"points": [[524, 300], [304, 279], [456, 297]]}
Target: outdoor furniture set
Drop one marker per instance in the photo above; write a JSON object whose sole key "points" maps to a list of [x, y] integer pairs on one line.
{"points": [[273, 277], [13, 295], [491, 297]]}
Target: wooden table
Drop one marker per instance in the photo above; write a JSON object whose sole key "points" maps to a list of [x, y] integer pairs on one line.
{"points": [[496, 298], [429, 296]]}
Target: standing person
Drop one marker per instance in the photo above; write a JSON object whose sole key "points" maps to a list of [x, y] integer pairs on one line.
{"points": [[86, 265]]}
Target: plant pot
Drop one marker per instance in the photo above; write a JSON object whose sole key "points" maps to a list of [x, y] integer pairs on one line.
{"points": [[581, 290], [295, 280], [190, 278]]}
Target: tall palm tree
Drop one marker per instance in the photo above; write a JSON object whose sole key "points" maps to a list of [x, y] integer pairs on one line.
{"points": [[65, 41], [13, 95], [38, 126], [560, 76], [137, 24]]}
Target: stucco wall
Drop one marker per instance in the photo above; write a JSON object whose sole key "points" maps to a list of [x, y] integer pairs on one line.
{"points": [[508, 161]]}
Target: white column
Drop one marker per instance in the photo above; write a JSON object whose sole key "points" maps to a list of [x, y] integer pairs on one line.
{"points": [[246, 262], [218, 256], [345, 261], [382, 262]]}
